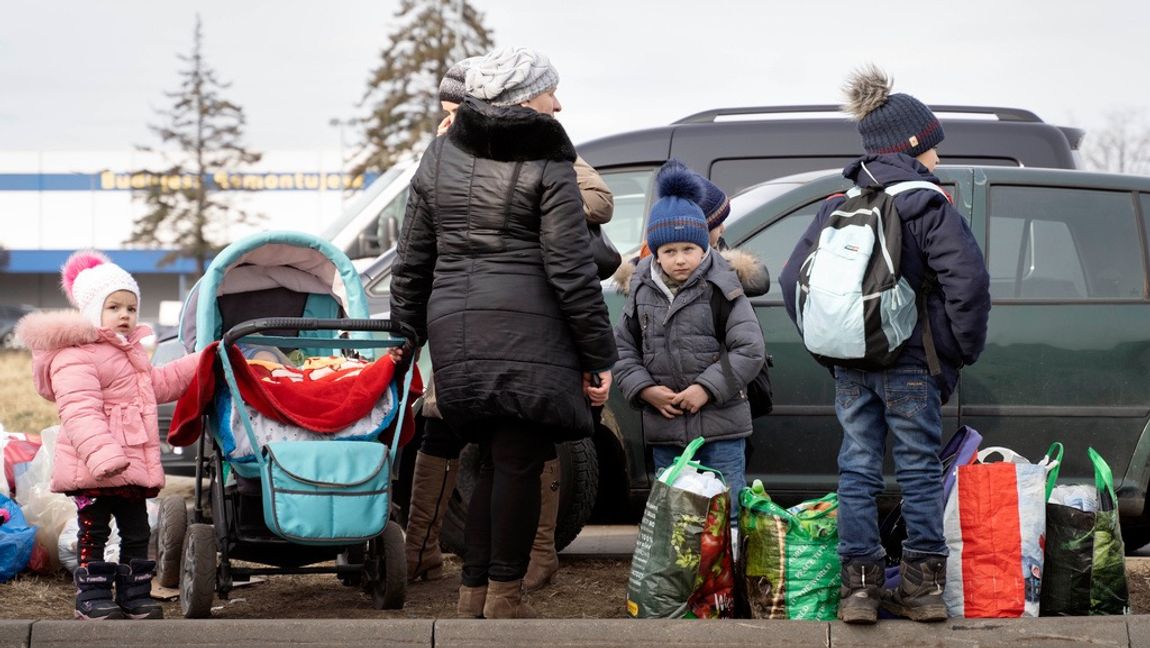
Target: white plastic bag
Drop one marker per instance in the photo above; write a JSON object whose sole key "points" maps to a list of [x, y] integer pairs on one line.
{"points": [[47, 511]]}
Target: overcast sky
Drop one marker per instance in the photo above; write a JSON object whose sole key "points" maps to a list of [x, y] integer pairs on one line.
{"points": [[82, 75]]}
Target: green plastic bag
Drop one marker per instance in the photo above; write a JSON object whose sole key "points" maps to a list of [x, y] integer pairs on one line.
{"points": [[790, 562], [682, 567], [1085, 571]]}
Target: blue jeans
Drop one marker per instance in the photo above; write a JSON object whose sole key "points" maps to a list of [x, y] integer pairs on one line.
{"points": [[905, 401], [728, 456]]}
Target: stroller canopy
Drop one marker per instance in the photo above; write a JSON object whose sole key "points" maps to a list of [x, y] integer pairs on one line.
{"points": [[296, 261]]}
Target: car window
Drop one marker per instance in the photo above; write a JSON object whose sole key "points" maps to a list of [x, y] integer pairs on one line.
{"points": [[166, 351], [773, 245], [736, 175], [631, 189], [1049, 243], [390, 219]]}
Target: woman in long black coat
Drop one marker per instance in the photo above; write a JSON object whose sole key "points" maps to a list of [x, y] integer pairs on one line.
{"points": [[493, 270]]}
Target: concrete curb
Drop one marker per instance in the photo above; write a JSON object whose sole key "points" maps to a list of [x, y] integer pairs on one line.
{"points": [[1132, 632]]}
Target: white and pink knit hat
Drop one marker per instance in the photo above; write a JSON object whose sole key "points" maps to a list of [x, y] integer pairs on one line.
{"points": [[88, 277]]}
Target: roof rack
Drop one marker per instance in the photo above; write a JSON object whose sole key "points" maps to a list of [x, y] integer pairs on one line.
{"points": [[708, 116]]}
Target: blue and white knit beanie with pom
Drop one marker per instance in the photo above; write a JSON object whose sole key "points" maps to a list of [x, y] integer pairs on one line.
{"points": [[676, 216]]}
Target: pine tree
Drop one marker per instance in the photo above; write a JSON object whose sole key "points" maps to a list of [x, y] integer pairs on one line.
{"points": [[403, 91], [202, 135]]}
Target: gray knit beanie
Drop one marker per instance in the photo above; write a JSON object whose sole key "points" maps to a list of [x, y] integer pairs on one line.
{"points": [[509, 76], [451, 87]]}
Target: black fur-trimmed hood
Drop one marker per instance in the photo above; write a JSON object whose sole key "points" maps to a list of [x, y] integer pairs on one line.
{"points": [[509, 134]]}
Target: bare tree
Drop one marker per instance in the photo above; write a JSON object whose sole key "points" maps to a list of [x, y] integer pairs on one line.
{"points": [[403, 91], [1122, 146], [202, 133]]}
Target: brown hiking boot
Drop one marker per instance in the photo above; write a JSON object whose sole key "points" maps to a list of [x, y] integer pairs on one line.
{"points": [[544, 559], [919, 596], [431, 489], [860, 592]]}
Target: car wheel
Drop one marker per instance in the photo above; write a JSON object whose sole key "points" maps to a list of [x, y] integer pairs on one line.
{"points": [[579, 486]]}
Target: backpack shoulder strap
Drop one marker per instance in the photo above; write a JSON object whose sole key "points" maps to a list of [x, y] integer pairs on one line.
{"points": [[720, 313], [900, 187]]}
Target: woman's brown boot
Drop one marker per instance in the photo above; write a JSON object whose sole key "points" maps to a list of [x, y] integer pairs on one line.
{"points": [[544, 559], [471, 602], [431, 489], [505, 601]]}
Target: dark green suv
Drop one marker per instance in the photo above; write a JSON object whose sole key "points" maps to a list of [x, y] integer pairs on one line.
{"points": [[1068, 350], [604, 478]]}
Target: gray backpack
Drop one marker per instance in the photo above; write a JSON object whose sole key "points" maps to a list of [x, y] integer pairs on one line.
{"points": [[854, 307]]}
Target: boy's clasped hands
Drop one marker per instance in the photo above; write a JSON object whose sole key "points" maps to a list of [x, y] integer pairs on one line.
{"points": [[671, 404]]}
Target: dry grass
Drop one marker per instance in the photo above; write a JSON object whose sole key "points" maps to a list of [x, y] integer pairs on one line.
{"points": [[21, 408]]}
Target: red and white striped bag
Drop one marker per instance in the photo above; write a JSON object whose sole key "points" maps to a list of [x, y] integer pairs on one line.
{"points": [[995, 526]]}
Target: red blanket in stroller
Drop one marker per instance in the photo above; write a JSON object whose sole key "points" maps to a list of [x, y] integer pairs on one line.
{"points": [[322, 406]]}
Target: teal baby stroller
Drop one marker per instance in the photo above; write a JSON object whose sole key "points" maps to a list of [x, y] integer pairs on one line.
{"points": [[290, 314]]}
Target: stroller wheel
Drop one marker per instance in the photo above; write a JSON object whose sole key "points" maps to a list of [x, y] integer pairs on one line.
{"points": [[198, 575], [351, 556], [385, 570], [171, 528]]}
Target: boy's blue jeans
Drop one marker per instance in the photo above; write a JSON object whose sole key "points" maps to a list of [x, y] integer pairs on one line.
{"points": [[728, 456], [905, 401]]}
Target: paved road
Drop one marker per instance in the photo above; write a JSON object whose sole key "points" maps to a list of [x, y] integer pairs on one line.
{"points": [[454, 633]]}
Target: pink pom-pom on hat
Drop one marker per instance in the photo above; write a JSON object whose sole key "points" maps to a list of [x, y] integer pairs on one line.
{"points": [[88, 277], [77, 263]]}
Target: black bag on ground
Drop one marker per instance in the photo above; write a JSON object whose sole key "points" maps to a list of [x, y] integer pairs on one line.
{"points": [[1085, 566]]}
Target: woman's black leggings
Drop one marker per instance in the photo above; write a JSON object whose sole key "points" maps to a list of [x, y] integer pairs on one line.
{"points": [[95, 527], [504, 509]]}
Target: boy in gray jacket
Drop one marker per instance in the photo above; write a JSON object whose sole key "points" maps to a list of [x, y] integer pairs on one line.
{"points": [[671, 358]]}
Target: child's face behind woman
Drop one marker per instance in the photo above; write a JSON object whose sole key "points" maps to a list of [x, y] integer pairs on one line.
{"points": [[119, 312]]}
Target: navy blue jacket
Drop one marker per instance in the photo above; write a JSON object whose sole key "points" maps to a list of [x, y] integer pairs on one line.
{"points": [[935, 235]]}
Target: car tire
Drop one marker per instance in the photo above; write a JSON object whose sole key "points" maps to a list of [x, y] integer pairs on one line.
{"points": [[579, 487]]}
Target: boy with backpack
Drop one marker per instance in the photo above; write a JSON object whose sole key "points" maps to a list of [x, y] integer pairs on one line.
{"points": [[889, 289], [685, 363]]}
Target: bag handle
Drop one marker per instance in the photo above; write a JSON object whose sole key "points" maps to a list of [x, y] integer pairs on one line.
{"points": [[1052, 460], [1006, 454], [687, 458], [1103, 481]]}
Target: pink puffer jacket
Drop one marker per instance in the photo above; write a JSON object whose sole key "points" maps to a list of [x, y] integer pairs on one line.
{"points": [[106, 391]]}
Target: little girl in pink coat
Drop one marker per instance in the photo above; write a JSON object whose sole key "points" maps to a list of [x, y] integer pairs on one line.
{"points": [[91, 364]]}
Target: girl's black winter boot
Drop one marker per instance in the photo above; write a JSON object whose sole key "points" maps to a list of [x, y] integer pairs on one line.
{"points": [[134, 590], [94, 599]]}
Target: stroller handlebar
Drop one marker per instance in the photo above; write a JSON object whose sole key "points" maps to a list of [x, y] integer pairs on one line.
{"points": [[252, 326]]}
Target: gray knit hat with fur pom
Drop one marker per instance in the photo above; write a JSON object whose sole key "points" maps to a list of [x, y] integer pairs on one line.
{"points": [[889, 123]]}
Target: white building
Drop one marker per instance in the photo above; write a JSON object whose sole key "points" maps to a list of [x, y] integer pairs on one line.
{"points": [[54, 202]]}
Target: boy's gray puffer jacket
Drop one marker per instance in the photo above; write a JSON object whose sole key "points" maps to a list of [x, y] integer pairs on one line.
{"points": [[679, 348]]}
